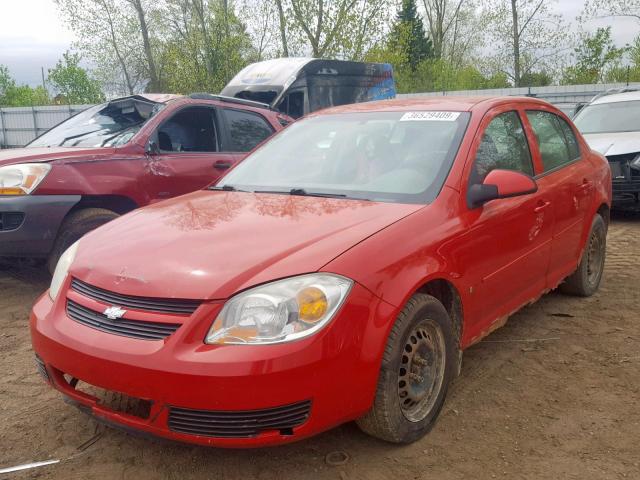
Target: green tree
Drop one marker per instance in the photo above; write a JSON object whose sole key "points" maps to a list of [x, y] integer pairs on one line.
{"points": [[536, 79], [612, 8], [6, 82], [594, 57], [73, 82], [204, 47], [408, 36], [13, 95], [526, 36]]}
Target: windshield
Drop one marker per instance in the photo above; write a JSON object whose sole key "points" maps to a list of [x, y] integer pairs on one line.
{"points": [[108, 125], [381, 156], [609, 117]]}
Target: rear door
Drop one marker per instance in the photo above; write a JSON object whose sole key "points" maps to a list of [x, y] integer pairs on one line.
{"points": [[191, 155], [568, 174]]}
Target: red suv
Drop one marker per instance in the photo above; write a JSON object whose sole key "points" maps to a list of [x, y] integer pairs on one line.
{"points": [[118, 156], [336, 274]]}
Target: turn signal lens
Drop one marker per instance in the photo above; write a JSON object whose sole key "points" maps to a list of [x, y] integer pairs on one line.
{"points": [[11, 191], [312, 304]]}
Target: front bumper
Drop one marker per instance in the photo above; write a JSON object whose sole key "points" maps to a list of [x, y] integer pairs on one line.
{"points": [[626, 193], [38, 220], [335, 370]]}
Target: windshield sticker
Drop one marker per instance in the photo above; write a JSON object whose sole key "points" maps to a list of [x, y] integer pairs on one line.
{"points": [[430, 116]]}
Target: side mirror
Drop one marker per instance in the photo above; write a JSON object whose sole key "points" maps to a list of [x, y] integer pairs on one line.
{"points": [[152, 148], [501, 184]]}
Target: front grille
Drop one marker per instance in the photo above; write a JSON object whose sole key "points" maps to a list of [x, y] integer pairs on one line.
{"points": [[160, 305], [239, 424], [10, 220], [42, 370], [127, 328]]}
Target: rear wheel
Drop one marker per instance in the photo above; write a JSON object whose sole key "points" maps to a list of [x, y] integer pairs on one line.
{"points": [[419, 362], [74, 227], [585, 281]]}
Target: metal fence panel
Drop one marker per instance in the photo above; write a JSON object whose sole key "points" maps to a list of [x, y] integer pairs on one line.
{"points": [[556, 94], [20, 125]]}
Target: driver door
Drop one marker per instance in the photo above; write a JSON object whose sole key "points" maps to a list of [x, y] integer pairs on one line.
{"points": [[189, 156]]}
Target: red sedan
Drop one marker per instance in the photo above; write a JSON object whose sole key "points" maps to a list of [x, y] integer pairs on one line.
{"points": [[336, 274]]}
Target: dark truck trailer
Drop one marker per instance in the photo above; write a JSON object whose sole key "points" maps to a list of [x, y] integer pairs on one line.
{"points": [[297, 86]]}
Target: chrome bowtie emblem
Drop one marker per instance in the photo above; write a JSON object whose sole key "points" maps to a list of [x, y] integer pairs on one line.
{"points": [[114, 313]]}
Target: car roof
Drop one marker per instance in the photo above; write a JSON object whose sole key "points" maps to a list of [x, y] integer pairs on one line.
{"points": [[617, 97], [445, 103], [159, 97]]}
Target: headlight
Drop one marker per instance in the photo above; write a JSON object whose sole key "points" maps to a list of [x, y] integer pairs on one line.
{"points": [[62, 268], [280, 311], [635, 163], [22, 179]]}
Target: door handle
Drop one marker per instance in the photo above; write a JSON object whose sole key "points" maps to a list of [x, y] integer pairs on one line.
{"points": [[541, 206], [222, 164]]}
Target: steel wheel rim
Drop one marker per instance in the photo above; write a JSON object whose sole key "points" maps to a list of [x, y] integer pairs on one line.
{"points": [[421, 371], [595, 257]]}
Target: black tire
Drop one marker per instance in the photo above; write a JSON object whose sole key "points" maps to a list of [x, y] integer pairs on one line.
{"points": [[74, 227], [585, 281], [391, 418]]}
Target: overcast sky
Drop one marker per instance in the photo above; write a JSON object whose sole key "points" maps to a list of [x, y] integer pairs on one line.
{"points": [[32, 34]]}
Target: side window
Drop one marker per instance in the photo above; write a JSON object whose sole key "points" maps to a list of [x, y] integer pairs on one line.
{"points": [[293, 104], [190, 130], [246, 130], [570, 137], [503, 146], [558, 144]]}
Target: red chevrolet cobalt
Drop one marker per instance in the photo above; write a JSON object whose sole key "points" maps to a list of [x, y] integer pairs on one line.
{"points": [[336, 274]]}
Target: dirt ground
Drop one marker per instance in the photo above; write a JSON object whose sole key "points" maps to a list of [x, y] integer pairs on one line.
{"points": [[555, 394]]}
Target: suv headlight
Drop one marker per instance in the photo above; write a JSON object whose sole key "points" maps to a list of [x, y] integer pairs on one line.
{"points": [[280, 311], [62, 268], [22, 179], [635, 163]]}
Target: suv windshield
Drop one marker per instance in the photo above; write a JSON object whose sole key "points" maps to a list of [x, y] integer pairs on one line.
{"points": [[108, 125], [609, 117], [381, 156]]}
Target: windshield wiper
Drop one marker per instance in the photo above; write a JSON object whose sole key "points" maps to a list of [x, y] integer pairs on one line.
{"points": [[228, 188], [79, 135], [304, 193]]}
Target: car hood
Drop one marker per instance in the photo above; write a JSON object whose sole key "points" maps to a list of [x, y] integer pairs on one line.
{"points": [[618, 143], [210, 244], [13, 156]]}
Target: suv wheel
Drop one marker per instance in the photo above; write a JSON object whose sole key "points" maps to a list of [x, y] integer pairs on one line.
{"points": [[74, 227]]}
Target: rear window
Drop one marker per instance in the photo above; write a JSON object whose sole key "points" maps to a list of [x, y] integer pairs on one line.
{"points": [[246, 130], [558, 145]]}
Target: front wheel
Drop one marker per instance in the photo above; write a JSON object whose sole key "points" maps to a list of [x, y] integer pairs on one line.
{"points": [[585, 281], [74, 227], [419, 362]]}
